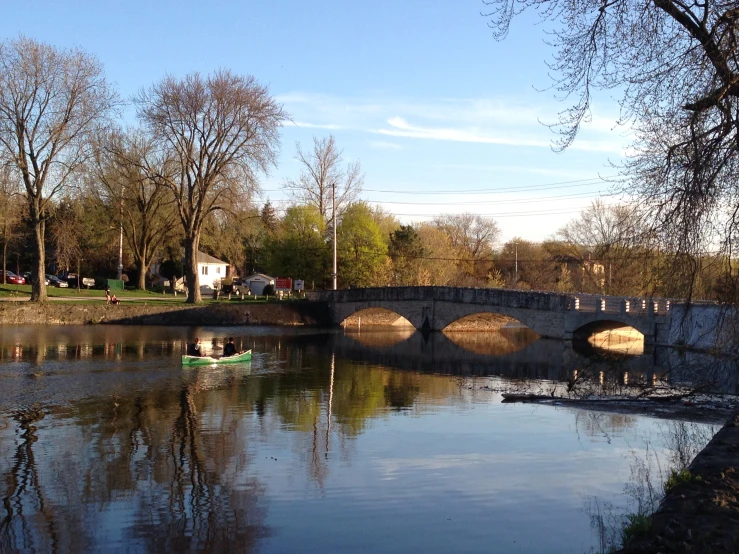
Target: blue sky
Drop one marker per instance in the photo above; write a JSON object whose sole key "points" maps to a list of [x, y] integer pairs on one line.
{"points": [[443, 118]]}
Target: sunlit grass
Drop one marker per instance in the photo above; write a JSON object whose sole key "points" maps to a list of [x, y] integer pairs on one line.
{"points": [[54, 292], [129, 296]]}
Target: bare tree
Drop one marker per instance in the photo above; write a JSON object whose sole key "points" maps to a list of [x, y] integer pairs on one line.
{"points": [[139, 203], [216, 133], [322, 171], [50, 100], [613, 247], [473, 237], [675, 64]]}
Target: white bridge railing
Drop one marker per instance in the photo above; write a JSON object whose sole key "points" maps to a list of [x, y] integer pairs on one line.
{"points": [[592, 303]]}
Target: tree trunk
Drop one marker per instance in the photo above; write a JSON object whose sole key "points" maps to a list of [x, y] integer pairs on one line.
{"points": [[191, 268], [38, 275], [141, 266], [5, 259]]}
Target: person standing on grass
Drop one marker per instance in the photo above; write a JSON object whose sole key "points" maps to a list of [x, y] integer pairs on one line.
{"points": [[107, 295]]}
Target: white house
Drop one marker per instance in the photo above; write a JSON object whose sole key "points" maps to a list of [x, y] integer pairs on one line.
{"points": [[210, 271], [257, 282]]}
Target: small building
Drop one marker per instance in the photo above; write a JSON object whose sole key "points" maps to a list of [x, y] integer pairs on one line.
{"points": [[211, 270], [257, 282]]}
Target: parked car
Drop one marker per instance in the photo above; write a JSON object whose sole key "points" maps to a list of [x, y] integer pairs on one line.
{"points": [[70, 278], [11, 278], [231, 289], [57, 282]]}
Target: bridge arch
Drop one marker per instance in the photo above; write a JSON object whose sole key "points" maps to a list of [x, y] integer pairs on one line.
{"points": [[598, 323], [542, 323], [611, 335], [483, 320], [375, 316]]}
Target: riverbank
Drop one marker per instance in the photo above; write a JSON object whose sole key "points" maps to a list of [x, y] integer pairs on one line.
{"points": [[165, 312], [700, 515], [292, 313]]}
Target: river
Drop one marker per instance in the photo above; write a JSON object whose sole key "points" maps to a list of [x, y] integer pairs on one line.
{"points": [[324, 442]]}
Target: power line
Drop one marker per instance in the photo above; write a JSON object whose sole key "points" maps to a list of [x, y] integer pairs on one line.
{"points": [[510, 188], [478, 202]]}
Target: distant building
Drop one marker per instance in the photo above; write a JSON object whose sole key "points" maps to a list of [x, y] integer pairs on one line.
{"points": [[257, 282], [211, 270]]}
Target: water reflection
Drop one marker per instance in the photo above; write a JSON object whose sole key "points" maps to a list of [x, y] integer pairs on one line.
{"points": [[345, 444], [151, 476]]}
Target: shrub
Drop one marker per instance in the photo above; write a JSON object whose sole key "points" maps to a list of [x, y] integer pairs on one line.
{"points": [[637, 526], [269, 290], [677, 477]]}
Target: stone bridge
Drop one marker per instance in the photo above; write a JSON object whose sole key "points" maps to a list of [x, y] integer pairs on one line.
{"points": [[552, 315]]}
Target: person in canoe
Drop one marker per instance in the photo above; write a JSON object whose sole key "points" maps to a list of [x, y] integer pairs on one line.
{"points": [[193, 349], [230, 348]]}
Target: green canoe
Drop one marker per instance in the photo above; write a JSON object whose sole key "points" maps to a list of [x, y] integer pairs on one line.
{"points": [[207, 360]]}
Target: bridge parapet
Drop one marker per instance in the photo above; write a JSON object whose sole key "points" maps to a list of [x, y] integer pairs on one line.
{"points": [[623, 305], [531, 300]]}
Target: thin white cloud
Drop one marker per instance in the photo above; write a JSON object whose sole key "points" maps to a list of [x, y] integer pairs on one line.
{"points": [[501, 121], [385, 145], [401, 128], [330, 126]]}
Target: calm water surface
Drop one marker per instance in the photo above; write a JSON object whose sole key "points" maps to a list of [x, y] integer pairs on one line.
{"points": [[323, 443]]}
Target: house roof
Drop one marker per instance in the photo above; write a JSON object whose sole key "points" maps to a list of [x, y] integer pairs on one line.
{"points": [[262, 275], [204, 258]]}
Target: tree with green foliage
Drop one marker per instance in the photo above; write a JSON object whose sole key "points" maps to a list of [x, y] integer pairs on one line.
{"points": [[405, 251], [439, 263], [362, 251], [82, 239], [298, 249]]}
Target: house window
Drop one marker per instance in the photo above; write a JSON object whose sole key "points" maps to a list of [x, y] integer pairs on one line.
{"points": [[205, 270], [218, 270]]}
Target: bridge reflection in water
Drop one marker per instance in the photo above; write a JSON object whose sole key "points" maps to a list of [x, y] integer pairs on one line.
{"points": [[518, 353]]}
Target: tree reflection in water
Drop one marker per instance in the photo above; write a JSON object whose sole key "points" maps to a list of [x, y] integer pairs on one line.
{"points": [[147, 456], [30, 522], [158, 472]]}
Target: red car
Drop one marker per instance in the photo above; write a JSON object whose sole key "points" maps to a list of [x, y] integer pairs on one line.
{"points": [[11, 278]]}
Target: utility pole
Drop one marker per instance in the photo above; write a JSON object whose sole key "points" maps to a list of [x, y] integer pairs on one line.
{"points": [[119, 275], [120, 256], [333, 217], [516, 245]]}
